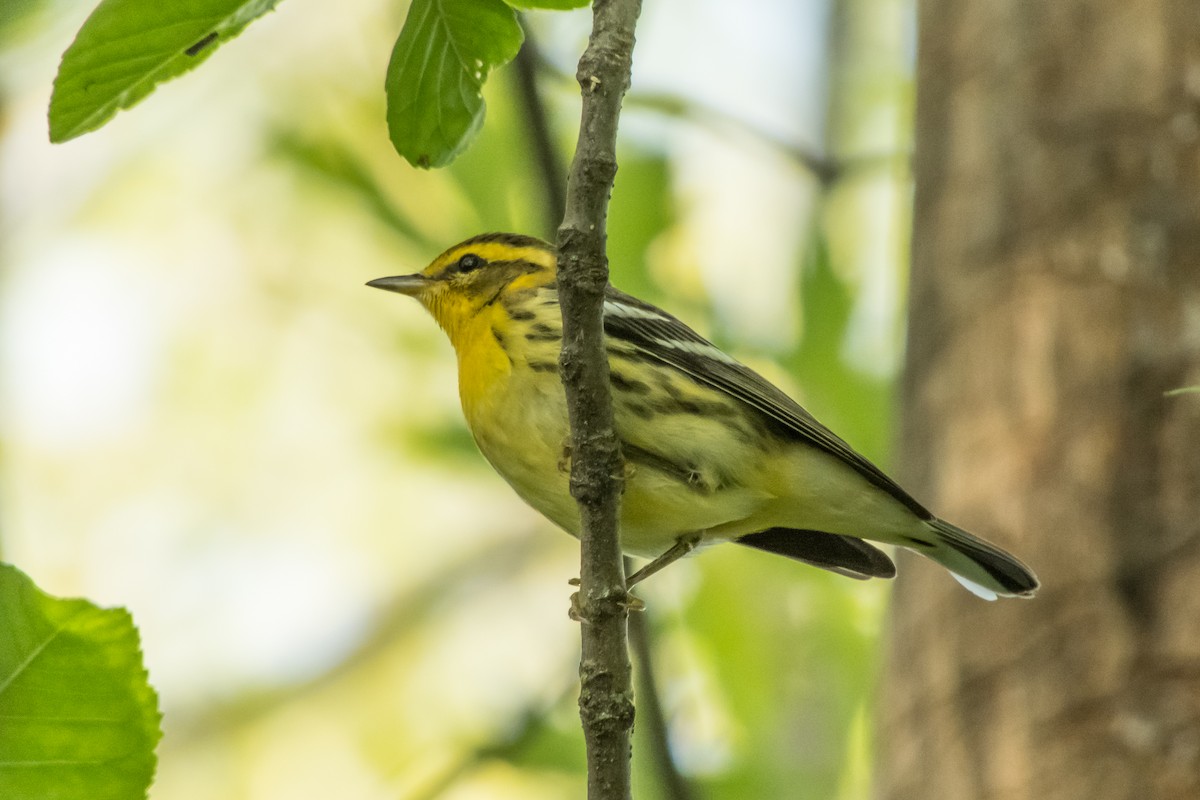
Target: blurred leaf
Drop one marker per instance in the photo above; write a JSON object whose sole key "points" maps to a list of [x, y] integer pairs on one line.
{"points": [[449, 440], [333, 161], [436, 74], [80, 719], [535, 743], [127, 47], [554, 5], [793, 667], [696, 110], [538, 742], [856, 406], [11, 11], [1183, 390], [642, 208], [504, 190], [403, 621]]}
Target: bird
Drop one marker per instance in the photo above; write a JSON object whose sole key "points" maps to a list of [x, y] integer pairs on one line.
{"points": [[713, 451]]}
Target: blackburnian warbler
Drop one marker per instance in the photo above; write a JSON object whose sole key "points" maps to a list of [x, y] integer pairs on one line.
{"points": [[713, 451]]}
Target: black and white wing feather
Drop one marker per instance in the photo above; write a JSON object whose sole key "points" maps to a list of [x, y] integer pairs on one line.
{"points": [[660, 336]]}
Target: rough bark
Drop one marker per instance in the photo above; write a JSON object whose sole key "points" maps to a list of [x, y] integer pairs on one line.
{"points": [[606, 696], [1055, 298]]}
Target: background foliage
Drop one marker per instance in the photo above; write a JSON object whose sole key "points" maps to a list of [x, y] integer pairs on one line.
{"points": [[208, 420]]}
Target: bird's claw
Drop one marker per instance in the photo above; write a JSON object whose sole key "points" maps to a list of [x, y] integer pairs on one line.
{"points": [[575, 612], [627, 604], [633, 603]]}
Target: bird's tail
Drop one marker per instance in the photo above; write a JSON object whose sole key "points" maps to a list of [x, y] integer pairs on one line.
{"points": [[985, 569]]}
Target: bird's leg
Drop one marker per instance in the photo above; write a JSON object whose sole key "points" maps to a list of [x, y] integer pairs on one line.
{"points": [[683, 545]]}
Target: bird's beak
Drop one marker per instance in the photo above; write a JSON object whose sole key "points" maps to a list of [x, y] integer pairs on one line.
{"points": [[411, 285]]}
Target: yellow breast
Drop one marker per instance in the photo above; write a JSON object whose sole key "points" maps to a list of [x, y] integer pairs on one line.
{"points": [[517, 415]]}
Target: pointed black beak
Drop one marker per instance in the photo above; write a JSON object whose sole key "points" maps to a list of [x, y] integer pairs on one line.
{"points": [[410, 285]]}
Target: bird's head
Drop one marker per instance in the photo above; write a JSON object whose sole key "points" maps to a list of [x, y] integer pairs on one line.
{"points": [[475, 274]]}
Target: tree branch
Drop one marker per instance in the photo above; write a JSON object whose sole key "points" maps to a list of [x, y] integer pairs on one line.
{"points": [[606, 697], [653, 721]]}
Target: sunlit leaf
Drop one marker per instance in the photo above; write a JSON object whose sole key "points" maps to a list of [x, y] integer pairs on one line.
{"points": [[128, 47], [78, 719], [435, 78]]}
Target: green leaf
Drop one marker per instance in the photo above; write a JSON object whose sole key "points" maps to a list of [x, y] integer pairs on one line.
{"points": [[435, 78], [553, 5], [78, 719], [127, 47]]}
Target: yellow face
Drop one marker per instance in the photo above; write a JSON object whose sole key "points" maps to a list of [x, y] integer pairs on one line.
{"points": [[474, 273]]}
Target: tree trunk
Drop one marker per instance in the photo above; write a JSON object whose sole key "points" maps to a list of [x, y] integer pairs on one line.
{"points": [[1055, 298]]}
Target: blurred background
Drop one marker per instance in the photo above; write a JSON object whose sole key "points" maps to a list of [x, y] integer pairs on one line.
{"points": [[205, 416]]}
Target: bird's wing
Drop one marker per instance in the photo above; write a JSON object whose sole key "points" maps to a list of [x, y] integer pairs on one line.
{"points": [[658, 335]]}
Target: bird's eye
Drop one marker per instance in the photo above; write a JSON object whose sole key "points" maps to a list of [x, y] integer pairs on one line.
{"points": [[469, 262]]}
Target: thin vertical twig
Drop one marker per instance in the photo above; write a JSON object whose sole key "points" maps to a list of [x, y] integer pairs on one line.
{"points": [[651, 719], [549, 163], [606, 696]]}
